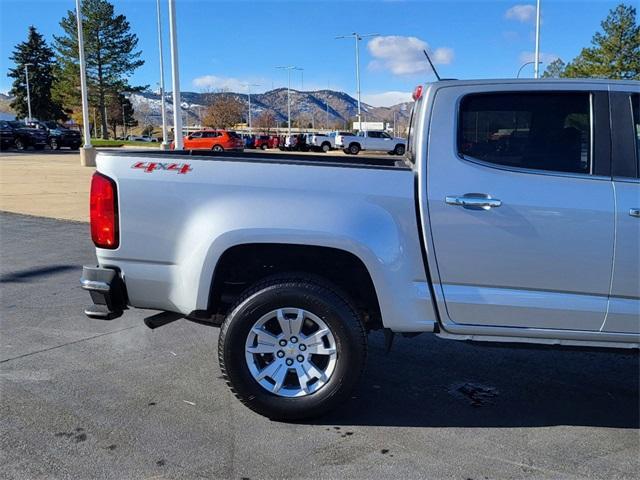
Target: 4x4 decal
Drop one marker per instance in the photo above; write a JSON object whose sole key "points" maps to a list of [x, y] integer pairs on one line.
{"points": [[149, 167]]}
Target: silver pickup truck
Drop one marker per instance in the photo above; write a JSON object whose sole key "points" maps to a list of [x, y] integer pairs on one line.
{"points": [[513, 217]]}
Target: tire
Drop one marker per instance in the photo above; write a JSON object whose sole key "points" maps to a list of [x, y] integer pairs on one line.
{"points": [[217, 148], [354, 149], [315, 303], [399, 150], [20, 145], [263, 146], [54, 144], [326, 146]]}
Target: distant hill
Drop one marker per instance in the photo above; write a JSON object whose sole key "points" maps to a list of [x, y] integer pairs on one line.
{"points": [[306, 107]]}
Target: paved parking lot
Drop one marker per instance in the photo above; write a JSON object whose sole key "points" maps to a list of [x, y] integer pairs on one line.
{"points": [[89, 399]]}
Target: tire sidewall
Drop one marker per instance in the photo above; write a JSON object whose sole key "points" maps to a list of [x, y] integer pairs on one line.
{"points": [[338, 317]]}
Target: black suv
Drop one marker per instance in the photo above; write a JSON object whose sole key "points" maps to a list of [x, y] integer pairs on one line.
{"points": [[59, 135], [18, 135]]}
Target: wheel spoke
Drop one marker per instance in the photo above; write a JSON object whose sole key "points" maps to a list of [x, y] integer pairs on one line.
{"points": [[278, 377], [316, 337], [314, 372], [303, 377], [262, 348], [271, 369], [295, 324], [264, 337], [319, 349], [282, 321]]}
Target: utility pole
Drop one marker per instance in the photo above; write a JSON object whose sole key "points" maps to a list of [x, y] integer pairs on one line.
{"points": [[249, 85], [175, 78], [536, 67], [165, 144], [357, 37], [288, 68], [87, 153], [26, 75]]}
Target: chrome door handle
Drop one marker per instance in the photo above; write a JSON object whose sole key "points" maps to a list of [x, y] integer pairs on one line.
{"points": [[474, 201], [634, 212]]}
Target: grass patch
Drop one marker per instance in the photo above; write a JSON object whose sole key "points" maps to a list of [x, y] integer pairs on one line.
{"points": [[97, 142]]}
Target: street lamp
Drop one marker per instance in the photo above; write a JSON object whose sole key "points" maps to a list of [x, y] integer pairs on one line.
{"points": [[249, 85], [288, 68], [162, 99], [357, 37], [175, 84], [524, 65], [26, 74], [87, 154], [536, 71]]}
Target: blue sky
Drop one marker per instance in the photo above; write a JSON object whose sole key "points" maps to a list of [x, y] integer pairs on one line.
{"points": [[226, 44]]}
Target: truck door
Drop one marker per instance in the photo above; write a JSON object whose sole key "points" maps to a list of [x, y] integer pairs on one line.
{"points": [[623, 315], [521, 206]]}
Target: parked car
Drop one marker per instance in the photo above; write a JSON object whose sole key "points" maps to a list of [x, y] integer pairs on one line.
{"points": [[465, 237], [321, 142], [371, 140], [15, 134], [263, 142], [59, 135], [216, 140]]}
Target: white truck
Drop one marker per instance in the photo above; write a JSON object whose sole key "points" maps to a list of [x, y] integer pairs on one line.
{"points": [[371, 140], [513, 217]]}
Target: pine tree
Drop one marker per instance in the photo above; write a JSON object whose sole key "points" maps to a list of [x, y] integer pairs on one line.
{"points": [[36, 55], [555, 69], [111, 55], [615, 52]]}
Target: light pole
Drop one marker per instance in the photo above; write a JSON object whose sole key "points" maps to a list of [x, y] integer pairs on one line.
{"points": [[26, 75], [357, 37], [536, 71], [87, 154], [163, 108], [249, 85], [524, 65], [288, 68], [175, 83]]}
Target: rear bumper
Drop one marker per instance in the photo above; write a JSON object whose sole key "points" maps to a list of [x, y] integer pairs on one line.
{"points": [[107, 290]]}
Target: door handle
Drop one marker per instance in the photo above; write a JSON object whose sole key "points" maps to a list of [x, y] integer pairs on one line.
{"points": [[474, 201], [634, 212]]}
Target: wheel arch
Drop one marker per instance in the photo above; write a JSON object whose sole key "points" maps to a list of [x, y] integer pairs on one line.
{"points": [[242, 265]]}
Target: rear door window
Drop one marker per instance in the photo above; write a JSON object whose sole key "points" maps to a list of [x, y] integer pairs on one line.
{"points": [[635, 108], [539, 130]]}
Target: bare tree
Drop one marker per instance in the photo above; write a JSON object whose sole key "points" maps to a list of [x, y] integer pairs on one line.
{"points": [[265, 121], [223, 111]]}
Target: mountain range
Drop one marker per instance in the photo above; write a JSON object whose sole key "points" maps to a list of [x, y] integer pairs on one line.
{"points": [[307, 107]]}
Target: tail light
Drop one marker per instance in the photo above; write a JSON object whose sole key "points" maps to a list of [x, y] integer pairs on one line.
{"points": [[103, 212]]}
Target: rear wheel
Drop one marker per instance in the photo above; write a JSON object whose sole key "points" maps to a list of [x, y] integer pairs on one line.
{"points": [[263, 146], [326, 146], [20, 145], [399, 150], [218, 148], [354, 149], [53, 143], [292, 348]]}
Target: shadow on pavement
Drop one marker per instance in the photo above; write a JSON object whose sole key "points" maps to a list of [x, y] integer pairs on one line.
{"points": [[445, 383]]}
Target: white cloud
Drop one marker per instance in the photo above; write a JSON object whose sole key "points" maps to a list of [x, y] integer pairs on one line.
{"points": [[545, 58], [214, 82], [386, 99], [403, 55], [521, 13]]}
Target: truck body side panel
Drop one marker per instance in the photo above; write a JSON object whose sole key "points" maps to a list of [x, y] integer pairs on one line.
{"points": [[176, 227]]}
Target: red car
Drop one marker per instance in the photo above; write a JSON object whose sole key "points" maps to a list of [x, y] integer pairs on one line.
{"points": [[216, 140]]}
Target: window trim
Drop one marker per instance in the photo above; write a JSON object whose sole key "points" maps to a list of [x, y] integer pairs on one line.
{"points": [[598, 100], [625, 164]]}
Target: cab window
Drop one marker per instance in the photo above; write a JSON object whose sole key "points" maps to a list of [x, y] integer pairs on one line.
{"points": [[538, 130]]}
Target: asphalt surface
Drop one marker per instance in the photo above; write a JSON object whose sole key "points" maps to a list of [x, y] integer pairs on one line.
{"points": [[87, 399]]}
